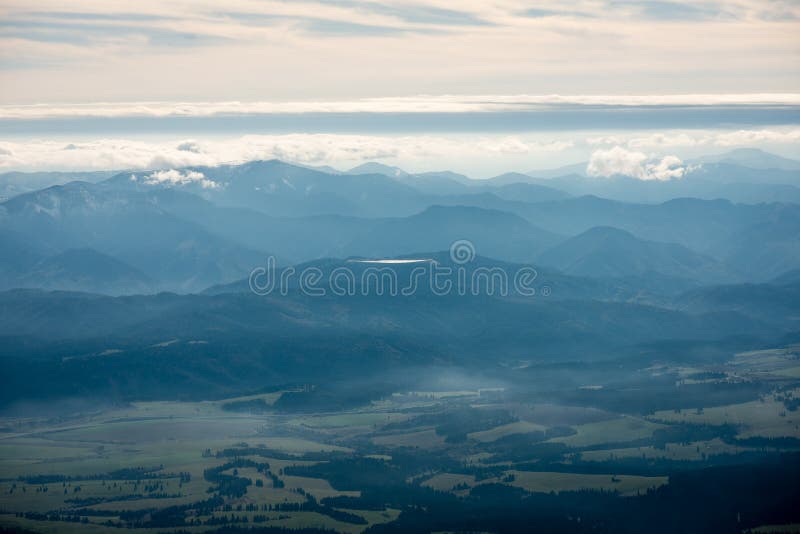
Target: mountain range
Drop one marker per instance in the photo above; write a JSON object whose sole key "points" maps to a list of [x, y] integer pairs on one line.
{"points": [[604, 251], [187, 229], [138, 284], [58, 344]]}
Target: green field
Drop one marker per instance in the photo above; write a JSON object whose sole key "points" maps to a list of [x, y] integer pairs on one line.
{"points": [[113, 469], [545, 482]]}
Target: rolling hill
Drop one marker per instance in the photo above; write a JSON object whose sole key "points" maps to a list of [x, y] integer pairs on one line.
{"points": [[605, 251], [85, 270]]}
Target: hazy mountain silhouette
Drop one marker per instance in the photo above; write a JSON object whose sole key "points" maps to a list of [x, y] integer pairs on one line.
{"points": [[129, 226], [493, 233], [752, 158], [604, 251], [186, 232], [85, 270]]}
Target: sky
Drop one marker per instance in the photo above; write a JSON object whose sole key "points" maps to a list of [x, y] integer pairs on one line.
{"points": [[484, 86]]}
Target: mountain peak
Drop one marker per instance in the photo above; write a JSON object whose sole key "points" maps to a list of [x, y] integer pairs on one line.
{"points": [[606, 251], [511, 178], [607, 232], [753, 158], [373, 167]]}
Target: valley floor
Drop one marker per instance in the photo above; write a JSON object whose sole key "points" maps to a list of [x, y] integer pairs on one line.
{"points": [[260, 461]]}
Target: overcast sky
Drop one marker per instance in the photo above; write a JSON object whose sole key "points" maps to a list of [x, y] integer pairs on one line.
{"points": [[493, 85], [111, 50]]}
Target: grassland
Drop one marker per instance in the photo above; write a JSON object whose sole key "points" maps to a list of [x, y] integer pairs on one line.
{"points": [[546, 482], [694, 451], [766, 417], [493, 434], [613, 431], [108, 466]]}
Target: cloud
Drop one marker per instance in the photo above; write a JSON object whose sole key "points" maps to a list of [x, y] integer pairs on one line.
{"points": [[605, 140], [516, 145], [175, 177], [189, 146], [667, 168], [701, 139], [664, 140], [416, 104], [474, 154], [677, 11], [746, 137], [618, 161], [308, 149], [104, 49]]}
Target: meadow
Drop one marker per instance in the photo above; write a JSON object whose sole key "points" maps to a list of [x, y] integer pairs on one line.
{"points": [[252, 462]]}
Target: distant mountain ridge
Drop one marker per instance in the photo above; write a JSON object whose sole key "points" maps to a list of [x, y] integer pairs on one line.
{"points": [[373, 167], [742, 175], [138, 286], [129, 226], [494, 233], [604, 251], [16, 183], [250, 341], [188, 229], [88, 271], [752, 158]]}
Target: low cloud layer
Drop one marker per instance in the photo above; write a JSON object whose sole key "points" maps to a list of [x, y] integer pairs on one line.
{"points": [[732, 138], [321, 149], [475, 155], [416, 104], [618, 161], [175, 177]]}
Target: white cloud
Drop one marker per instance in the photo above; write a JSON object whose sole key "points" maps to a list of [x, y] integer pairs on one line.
{"points": [[700, 139], [309, 149], [605, 140], [618, 161], [748, 137], [664, 140], [175, 177], [667, 168], [189, 146], [476, 155], [416, 104], [517, 145]]}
